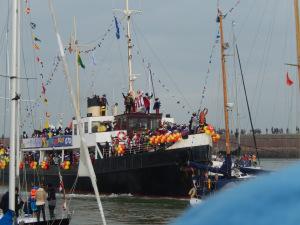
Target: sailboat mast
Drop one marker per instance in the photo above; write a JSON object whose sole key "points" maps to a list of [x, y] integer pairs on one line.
{"points": [[128, 13], [14, 99], [297, 23], [224, 78]]}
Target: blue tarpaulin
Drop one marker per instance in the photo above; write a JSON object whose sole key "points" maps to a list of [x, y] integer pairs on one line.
{"points": [[7, 219], [272, 199]]}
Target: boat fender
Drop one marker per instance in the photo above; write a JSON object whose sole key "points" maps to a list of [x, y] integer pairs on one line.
{"points": [[121, 135], [209, 184]]}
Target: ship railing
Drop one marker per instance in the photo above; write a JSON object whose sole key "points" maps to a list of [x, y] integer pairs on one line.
{"points": [[130, 149]]}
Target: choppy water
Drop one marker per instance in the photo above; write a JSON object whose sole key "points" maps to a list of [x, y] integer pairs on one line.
{"points": [[127, 209]]}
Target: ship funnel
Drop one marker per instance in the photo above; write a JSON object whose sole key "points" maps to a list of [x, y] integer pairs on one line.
{"points": [[93, 106]]}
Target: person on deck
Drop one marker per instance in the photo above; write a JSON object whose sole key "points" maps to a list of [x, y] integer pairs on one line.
{"points": [[202, 119], [51, 200], [41, 197], [103, 105], [193, 124], [127, 103], [156, 105], [147, 99]]}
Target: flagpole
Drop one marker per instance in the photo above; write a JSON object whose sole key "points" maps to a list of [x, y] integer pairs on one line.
{"points": [[297, 24], [76, 65]]}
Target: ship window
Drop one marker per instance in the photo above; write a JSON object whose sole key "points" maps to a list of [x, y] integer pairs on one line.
{"points": [[98, 127], [75, 129], [86, 127]]}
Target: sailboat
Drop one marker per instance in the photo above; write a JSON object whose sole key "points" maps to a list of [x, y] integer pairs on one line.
{"points": [[9, 217], [226, 170]]}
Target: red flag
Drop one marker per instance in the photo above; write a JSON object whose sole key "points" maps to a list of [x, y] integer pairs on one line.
{"points": [[289, 82]]}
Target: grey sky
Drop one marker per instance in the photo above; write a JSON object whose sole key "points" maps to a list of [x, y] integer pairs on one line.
{"points": [[180, 35]]}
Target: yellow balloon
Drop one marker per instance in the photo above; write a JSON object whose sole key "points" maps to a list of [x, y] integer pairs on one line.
{"points": [[207, 132]]}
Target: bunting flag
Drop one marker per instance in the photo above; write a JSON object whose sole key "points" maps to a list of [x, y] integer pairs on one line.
{"points": [[43, 89], [79, 61], [117, 28], [33, 25], [35, 38], [289, 82], [27, 10], [36, 46]]}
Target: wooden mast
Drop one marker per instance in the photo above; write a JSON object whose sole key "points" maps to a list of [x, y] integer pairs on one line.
{"points": [[297, 23], [224, 78]]}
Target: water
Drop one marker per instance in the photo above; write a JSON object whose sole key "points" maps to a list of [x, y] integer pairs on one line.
{"points": [[127, 209]]}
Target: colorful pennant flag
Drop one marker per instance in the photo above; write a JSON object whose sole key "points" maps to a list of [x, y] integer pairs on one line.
{"points": [[33, 25], [35, 38], [43, 89], [117, 28], [36, 46], [79, 61]]}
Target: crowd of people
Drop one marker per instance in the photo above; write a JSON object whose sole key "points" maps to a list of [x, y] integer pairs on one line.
{"points": [[49, 132], [35, 204], [140, 103]]}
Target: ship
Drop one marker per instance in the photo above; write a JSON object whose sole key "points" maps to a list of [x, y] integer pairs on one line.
{"points": [[142, 169]]}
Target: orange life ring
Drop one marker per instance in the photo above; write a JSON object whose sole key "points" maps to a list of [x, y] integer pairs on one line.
{"points": [[121, 135]]}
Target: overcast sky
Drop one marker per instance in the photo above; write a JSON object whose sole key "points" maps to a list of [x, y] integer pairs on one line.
{"points": [[176, 38]]}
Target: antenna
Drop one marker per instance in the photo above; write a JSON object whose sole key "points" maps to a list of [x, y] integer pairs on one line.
{"points": [[128, 12]]}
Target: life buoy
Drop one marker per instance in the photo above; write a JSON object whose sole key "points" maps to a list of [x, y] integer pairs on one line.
{"points": [[121, 135]]}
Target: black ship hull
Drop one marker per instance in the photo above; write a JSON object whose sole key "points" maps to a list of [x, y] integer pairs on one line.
{"points": [[156, 173]]}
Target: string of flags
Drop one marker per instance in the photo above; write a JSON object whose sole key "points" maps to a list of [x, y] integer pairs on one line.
{"points": [[45, 81], [100, 41], [162, 84], [217, 39]]}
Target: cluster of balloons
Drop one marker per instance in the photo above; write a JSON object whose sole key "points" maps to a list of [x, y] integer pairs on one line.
{"points": [[165, 138], [44, 165], [209, 129], [121, 149], [33, 165], [65, 165]]}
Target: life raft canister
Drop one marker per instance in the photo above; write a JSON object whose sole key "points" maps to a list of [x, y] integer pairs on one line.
{"points": [[121, 135]]}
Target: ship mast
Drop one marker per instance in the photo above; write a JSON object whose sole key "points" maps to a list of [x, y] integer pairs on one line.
{"points": [[297, 23], [128, 12], [14, 102], [224, 78]]}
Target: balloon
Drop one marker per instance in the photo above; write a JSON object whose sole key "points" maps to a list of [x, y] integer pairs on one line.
{"points": [[208, 132], [210, 127]]}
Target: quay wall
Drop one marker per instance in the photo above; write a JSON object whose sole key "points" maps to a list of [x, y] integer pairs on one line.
{"points": [[269, 145]]}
